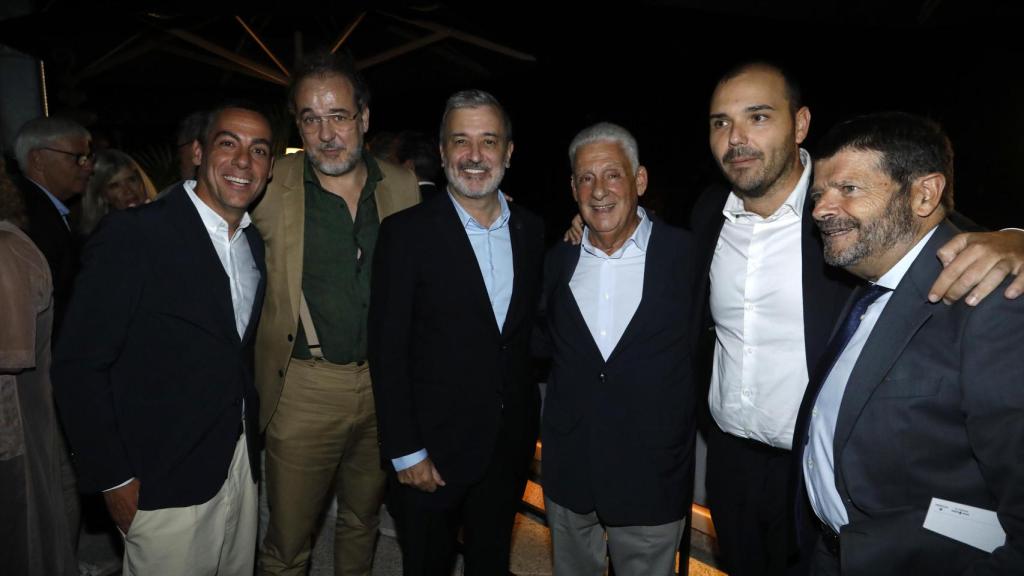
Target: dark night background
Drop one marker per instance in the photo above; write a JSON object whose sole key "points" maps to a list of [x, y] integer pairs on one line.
{"points": [[649, 66]]}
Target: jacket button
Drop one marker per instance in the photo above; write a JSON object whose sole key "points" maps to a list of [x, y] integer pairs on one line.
{"points": [[290, 338], [601, 377]]}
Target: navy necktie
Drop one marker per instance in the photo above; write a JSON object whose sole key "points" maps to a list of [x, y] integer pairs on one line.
{"points": [[849, 326]]}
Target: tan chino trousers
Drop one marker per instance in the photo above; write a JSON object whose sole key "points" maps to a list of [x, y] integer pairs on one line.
{"points": [[323, 434]]}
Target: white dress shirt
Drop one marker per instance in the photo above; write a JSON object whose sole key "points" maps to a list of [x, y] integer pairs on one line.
{"points": [[608, 288], [818, 468], [760, 366], [235, 255]]}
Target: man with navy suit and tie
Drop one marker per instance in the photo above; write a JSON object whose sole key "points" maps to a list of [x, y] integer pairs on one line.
{"points": [[913, 401]]}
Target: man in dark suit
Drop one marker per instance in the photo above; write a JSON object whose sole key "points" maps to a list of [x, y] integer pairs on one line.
{"points": [[454, 291], [772, 302], [913, 401], [618, 422], [153, 374], [56, 161]]}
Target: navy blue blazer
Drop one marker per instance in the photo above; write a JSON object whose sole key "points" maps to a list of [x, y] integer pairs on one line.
{"points": [[150, 374], [934, 407], [618, 434]]}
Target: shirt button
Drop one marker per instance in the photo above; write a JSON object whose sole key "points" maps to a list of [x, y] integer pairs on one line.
{"points": [[750, 350], [810, 463], [748, 306], [746, 393], [603, 333], [290, 338], [814, 411]]}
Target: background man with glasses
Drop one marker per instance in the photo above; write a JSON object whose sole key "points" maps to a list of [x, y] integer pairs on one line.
{"points": [[320, 218], [55, 159]]}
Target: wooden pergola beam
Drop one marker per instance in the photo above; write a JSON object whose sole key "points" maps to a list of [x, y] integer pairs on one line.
{"points": [[262, 46], [468, 38], [399, 50], [347, 32], [255, 67]]}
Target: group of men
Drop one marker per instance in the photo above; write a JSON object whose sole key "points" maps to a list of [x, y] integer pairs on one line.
{"points": [[375, 342]]}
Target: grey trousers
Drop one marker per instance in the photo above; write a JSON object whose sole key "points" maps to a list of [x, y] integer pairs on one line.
{"points": [[580, 546]]}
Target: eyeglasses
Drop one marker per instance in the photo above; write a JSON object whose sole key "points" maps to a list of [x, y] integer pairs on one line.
{"points": [[80, 159], [338, 121]]}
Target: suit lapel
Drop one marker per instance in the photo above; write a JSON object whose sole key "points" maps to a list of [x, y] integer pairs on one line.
{"points": [[654, 279], [204, 262], [572, 308], [519, 274], [293, 203], [258, 255], [463, 260], [907, 310]]}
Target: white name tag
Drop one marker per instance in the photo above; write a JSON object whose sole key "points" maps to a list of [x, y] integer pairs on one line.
{"points": [[973, 526]]}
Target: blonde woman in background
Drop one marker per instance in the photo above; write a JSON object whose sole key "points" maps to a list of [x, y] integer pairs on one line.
{"points": [[117, 183]]}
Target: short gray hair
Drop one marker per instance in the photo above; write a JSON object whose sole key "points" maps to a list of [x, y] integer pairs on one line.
{"points": [[42, 133], [606, 132], [475, 99]]}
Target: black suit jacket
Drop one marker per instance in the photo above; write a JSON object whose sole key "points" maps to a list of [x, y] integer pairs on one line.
{"points": [[618, 434], [444, 376], [150, 374], [51, 235], [934, 407]]}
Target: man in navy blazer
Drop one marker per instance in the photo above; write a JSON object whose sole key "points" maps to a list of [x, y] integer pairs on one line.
{"points": [[618, 423], [153, 374], [913, 401]]}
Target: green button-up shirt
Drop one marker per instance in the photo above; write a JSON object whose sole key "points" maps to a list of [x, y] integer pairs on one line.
{"points": [[337, 257]]}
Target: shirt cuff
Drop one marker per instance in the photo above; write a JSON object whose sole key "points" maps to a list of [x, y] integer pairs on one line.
{"points": [[409, 460], [122, 484]]}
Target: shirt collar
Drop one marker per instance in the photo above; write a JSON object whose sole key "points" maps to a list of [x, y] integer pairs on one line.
{"points": [[61, 208], [211, 220], [468, 221], [639, 239], [892, 278], [794, 203]]}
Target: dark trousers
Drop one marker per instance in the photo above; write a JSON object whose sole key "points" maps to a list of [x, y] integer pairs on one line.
{"points": [[748, 489], [428, 524]]}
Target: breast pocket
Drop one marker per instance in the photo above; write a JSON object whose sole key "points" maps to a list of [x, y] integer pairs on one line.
{"points": [[908, 387]]}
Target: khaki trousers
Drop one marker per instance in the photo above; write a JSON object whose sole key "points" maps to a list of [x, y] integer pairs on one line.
{"points": [[217, 537], [323, 434]]}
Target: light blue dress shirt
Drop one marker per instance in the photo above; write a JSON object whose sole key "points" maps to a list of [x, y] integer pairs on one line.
{"points": [[492, 246]]}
